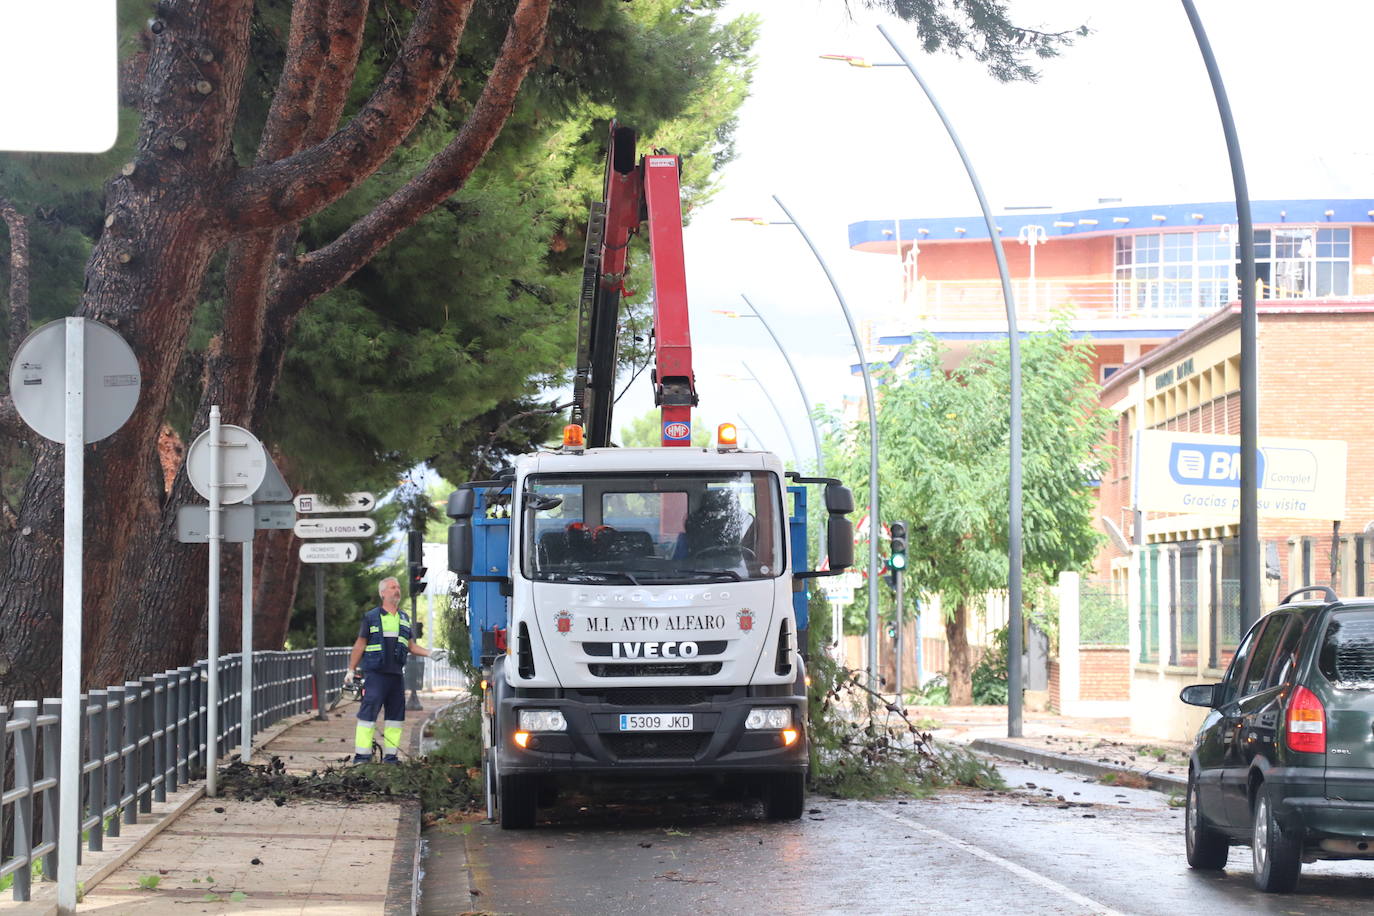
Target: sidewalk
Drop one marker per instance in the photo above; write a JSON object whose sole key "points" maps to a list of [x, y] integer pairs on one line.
{"points": [[262, 855], [1090, 747]]}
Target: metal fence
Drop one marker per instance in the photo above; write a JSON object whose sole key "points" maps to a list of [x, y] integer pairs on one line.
{"points": [[440, 675], [140, 741]]}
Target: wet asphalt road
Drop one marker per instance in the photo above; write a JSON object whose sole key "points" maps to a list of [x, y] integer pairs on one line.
{"points": [[1055, 844]]}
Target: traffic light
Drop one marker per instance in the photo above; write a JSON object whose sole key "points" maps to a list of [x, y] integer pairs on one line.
{"points": [[417, 579], [897, 561], [891, 630], [416, 553]]}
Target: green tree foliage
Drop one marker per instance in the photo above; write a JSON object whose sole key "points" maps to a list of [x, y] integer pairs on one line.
{"points": [[944, 467], [981, 29]]}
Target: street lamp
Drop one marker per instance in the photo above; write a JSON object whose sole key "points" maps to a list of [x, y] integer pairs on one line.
{"points": [[874, 570], [1014, 346], [796, 376], [1032, 235], [782, 421]]}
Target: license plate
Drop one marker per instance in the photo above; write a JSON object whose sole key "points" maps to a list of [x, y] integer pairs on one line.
{"points": [[657, 722]]}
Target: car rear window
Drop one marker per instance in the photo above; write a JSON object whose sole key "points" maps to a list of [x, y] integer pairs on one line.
{"points": [[1347, 655]]}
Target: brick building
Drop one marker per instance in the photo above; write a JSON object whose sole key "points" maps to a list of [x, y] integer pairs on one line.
{"points": [[1181, 570], [1154, 289]]}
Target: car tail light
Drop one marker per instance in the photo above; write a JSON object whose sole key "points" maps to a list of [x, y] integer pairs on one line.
{"points": [[1306, 722]]}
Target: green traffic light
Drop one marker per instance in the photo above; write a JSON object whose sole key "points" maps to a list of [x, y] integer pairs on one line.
{"points": [[898, 561]]}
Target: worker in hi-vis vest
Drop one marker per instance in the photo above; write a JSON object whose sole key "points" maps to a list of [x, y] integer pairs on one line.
{"points": [[383, 644]]}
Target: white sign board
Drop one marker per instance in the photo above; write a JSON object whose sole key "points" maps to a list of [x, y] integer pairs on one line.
{"points": [[330, 552], [243, 464], [1198, 473], [335, 527], [193, 524], [308, 503], [110, 375], [58, 76], [273, 516]]}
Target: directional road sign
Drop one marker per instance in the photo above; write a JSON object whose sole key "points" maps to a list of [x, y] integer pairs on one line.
{"points": [[193, 524], [330, 552], [335, 528], [308, 503], [280, 516]]}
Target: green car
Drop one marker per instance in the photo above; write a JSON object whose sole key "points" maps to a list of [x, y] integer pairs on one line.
{"points": [[1284, 760]]}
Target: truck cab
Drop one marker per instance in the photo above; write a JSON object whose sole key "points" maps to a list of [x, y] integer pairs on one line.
{"points": [[641, 611]]}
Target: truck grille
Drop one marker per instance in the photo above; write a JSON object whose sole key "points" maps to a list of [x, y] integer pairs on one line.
{"points": [[657, 696], [603, 649], [656, 746], [681, 669]]}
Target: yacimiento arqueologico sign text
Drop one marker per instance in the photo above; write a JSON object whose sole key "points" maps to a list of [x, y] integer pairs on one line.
{"points": [[1200, 474]]}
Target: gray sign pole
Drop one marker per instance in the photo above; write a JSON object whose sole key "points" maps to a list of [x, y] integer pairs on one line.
{"points": [[246, 655], [320, 703], [899, 578], [429, 638], [212, 648], [74, 460]]}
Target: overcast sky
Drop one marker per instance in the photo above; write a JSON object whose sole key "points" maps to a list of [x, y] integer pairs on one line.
{"points": [[1127, 112]]}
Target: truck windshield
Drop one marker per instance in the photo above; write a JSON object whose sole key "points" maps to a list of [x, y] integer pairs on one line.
{"points": [[643, 528]]}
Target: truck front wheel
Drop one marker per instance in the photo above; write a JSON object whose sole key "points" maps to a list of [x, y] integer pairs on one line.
{"points": [[519, 801], [784, 796]]}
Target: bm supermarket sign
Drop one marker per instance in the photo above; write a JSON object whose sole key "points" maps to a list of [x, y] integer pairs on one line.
{"points": [[1198, 473]]}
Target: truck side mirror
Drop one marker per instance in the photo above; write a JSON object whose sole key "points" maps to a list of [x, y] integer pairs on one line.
{"points": [[461, 503], [460, 543], [838, 499], [839, 541]]}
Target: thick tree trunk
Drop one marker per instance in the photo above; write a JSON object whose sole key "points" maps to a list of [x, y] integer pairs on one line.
{"points": [[177, 204], [960, 658]]}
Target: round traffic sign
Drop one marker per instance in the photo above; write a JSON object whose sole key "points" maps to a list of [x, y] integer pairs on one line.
{"points": [[243, 464], [38, 380]]}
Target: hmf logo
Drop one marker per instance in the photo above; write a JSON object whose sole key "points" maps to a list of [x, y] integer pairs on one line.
{"points": [[677, 430], [1208, 465]]}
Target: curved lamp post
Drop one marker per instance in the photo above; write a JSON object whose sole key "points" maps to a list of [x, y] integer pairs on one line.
{"points": [[796, 376], [1014, 679], [874, 524]]}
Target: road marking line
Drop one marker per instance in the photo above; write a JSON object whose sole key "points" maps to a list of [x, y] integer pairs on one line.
{"points": [[1035, 878]]}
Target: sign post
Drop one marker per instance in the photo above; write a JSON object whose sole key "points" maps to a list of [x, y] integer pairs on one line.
{"points": [[73, 381], [226, 464]]}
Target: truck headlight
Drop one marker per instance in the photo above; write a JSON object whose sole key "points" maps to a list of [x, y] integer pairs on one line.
{"points": [[773, 717], [542, 720]]}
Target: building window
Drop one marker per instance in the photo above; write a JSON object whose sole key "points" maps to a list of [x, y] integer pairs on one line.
{"points": [[1302, 262], [1194, 272]]}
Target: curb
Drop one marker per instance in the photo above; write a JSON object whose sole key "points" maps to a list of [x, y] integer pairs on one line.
{"points": [[1159, 782], [403, 884]]}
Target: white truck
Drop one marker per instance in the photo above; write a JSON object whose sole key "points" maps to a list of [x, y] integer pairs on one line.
{"points": [[641, 611]]}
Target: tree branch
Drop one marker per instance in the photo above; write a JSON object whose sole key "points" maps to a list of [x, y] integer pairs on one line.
{"points": [[327, 267], [290, 189], [19, 275]]}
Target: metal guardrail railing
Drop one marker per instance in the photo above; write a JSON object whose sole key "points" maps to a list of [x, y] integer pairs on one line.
{"points": [[440, 675], [140, 741]]}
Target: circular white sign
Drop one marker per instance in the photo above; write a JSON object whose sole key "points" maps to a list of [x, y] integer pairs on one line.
{"points": [[242, 466], [38, 380]]}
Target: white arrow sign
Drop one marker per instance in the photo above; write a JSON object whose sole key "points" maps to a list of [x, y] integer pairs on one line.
{"points": [[335, 527], [333, 552], [308, 503]]}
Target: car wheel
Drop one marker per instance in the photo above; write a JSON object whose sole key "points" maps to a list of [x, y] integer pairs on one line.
{"points": [[784, 796], [1277, 856], [1208, 848]]}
